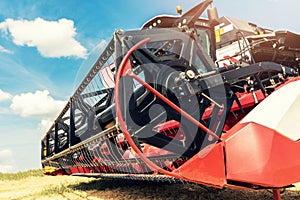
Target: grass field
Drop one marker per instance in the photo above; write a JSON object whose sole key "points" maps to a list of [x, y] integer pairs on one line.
{"points": [[32, 184], [21, 175]]}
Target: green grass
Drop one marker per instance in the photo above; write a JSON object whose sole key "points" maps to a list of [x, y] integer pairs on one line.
{"points": [[54, 191], [21, 175], [59, 189]]}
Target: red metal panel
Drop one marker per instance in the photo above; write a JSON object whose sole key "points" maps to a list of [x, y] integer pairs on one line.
{"points": [[206, 167], [256, 154], [246, 99]]}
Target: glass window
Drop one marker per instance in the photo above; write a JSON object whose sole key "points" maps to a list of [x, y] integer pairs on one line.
{"points": [[204, 40]]}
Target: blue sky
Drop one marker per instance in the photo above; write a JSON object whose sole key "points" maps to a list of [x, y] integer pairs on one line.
{"points": [[43, 44]]}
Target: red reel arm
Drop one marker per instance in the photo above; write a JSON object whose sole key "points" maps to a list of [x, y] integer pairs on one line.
{"points": [[125, 69]]}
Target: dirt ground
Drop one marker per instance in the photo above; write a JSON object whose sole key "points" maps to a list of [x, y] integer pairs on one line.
{"points": [[65, 187]]}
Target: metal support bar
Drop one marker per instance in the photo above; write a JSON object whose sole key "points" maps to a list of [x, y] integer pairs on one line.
{"points": [[47, 145], [42, 150], [71, 134], [276, 194], [56, 141]]}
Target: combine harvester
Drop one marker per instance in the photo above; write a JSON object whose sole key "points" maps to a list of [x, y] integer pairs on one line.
{"points": [[212, 101]]}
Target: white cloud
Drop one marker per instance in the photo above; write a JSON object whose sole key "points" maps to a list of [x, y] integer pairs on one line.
{"points": [[5, 111], [51, 38], [7, 162], [4, 96], [45, 125], [3, 50], [38, 104]]}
